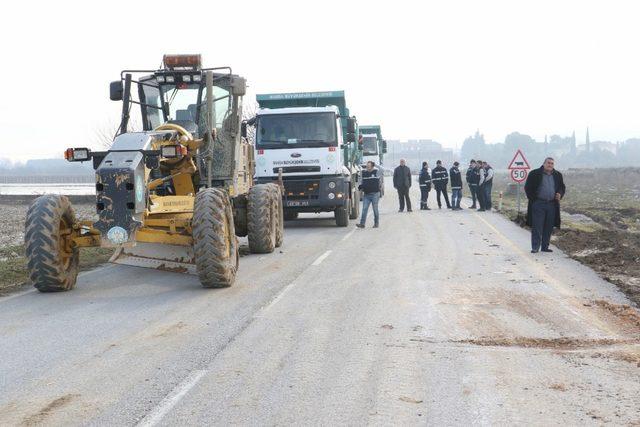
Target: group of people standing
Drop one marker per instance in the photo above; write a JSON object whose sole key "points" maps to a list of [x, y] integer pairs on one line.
{"points": [[544, 189], [479, 177]]}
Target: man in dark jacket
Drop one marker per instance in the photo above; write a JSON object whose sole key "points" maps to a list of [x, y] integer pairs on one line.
{"points": [[425, 186], [456, 186], [371, 188], [440, 179], [402, 183], [545, 188], [473, 178]]}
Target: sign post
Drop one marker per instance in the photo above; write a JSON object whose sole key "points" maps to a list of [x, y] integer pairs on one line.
{"points": [[519, 169]]}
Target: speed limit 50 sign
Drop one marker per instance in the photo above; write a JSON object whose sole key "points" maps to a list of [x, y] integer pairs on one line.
{"points": [[519, 175]]}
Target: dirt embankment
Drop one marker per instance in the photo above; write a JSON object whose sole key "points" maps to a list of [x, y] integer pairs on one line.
{"points": [[614, 254]]}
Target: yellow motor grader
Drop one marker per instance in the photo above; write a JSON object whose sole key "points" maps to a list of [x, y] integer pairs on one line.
{"points": [[173, 196]]}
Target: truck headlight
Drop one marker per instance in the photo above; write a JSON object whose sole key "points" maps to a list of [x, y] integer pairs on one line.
{"points": [[332, 184], [331, 196]]}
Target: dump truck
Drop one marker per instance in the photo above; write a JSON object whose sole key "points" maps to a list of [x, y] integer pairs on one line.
{"points": [[307, 141], [172, 196], [374, 147]]}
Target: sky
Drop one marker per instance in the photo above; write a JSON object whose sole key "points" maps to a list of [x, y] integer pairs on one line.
{"points": [[421, 69]]}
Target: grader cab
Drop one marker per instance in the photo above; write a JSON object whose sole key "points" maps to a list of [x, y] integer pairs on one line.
{"points": [[172, 196]]}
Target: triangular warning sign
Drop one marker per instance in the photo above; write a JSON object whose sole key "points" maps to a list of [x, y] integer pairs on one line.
{"points": [[519, 161]]}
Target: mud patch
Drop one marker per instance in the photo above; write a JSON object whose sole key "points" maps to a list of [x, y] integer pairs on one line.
{"points": [[628, 316], [45, 412], [562, 343]]}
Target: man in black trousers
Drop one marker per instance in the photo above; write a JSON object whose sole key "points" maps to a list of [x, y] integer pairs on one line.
{"points": [[545, 188], [473, 178], [402, 183], [440, 179]]}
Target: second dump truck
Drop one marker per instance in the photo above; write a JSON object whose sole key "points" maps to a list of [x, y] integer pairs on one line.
{"points": [[308, 141], [374, 148]]}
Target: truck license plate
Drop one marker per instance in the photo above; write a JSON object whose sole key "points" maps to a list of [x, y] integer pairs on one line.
{"points": [[298, 203]]}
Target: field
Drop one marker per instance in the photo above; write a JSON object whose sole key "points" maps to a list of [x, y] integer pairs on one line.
{"points": [[13, 273], [600, 222]]}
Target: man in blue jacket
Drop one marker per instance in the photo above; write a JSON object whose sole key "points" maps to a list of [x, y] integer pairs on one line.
{"points": [[545, 188], [371, 188]]}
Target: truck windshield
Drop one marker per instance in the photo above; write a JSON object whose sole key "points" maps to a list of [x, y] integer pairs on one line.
{"points": [[369, 145], [297, 130]]}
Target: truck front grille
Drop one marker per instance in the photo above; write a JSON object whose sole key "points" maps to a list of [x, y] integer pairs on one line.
{"points": [[301, 190]]}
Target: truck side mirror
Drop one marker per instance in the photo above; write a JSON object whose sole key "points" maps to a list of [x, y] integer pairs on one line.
{"points": [[351, 137], [115, 90], [384, 146], [243, 129], [351, 125]]}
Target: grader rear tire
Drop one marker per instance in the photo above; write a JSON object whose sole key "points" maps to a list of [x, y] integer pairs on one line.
{"points": [[51, 262], [261, 219], [215, 246], [277, 194]]}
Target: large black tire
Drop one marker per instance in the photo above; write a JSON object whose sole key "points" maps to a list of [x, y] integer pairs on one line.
{"points": [[277, 194], [354, 212], [52, 264], [215, 246], [342, 216], [261, 219]]}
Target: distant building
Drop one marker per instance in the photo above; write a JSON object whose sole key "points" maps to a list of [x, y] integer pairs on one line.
{"points": [[416, 151]]}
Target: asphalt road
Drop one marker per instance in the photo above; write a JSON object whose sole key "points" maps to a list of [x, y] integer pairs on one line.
{"points": [[437, 318]]}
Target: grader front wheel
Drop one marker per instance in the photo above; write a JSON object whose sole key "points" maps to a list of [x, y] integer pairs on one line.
{"points": [[52, 262], [215, 246]]}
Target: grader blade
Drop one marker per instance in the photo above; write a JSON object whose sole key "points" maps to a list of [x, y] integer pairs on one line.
{"points": [[178, 259]]}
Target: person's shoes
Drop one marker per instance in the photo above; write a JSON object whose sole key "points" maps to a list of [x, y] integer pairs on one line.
{"points": [[376, 225], [439, 207], [547, 250], [534, 251], [409, 210], [481, 210], [360, 225], [427, 208], [473, 207], [399, 210]]}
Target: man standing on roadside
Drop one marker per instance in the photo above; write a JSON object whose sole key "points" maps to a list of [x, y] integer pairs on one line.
{"points": [[544, 188], [440, 179], [485, 185], [371, 188], [480, 191], [456, 186], [425, 186], [473, 177], [402, 183]]}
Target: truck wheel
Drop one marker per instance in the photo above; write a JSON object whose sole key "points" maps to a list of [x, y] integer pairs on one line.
{"points": [[215, 246], [342, 216], [355, 205], [277, 194], [261, 219], [290, 215], [51, 261]]}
